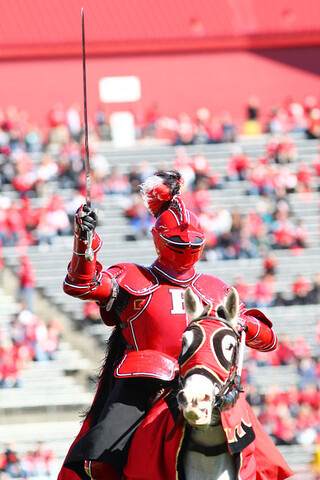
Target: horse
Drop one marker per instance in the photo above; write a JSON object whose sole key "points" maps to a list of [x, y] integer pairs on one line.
{"points": [[210, 363], [210, 366]]}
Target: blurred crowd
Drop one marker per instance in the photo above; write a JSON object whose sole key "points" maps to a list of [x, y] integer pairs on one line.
{"points": [[267, 292], [291, 413], [27, 338], [33, 463], [45, 170], [38, 165]]}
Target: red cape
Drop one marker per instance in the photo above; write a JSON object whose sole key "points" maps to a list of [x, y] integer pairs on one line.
{"points": [[158, 444]]}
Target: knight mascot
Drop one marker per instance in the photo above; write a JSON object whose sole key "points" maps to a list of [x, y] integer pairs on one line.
{"points": [[145, 305]]}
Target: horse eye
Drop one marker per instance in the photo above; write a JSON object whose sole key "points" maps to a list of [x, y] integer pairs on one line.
{"points": [[187, 340], [227, 347]]}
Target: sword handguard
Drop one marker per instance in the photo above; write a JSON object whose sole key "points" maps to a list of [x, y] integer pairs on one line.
{"points": [[88, 254]]}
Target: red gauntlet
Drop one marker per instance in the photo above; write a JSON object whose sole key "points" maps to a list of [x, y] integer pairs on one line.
{"points": [[80, 270], [85, 279], [260, 334]]}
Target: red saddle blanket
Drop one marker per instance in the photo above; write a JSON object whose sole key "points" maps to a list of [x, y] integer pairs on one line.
{"points": [[157, 447]]}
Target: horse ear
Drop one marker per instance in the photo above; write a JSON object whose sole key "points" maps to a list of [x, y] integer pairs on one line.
{"points": [[192, 303], [232, 305]]}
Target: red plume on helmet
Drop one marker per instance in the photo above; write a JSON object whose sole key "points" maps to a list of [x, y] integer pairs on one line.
{"points": [[177, 234], [159, 189]]}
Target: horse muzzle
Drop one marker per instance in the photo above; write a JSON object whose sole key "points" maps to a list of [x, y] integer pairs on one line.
{"points": [[195, 402], [197, 416]]}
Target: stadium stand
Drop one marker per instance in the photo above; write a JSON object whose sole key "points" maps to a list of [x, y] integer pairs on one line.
{"points": [[54, 392]]}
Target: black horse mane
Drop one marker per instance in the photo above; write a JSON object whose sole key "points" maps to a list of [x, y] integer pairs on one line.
{"points": [[104, 379]]}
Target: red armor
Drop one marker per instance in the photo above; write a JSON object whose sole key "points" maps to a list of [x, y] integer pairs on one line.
{"points": [[154, 318], [149, 302]]}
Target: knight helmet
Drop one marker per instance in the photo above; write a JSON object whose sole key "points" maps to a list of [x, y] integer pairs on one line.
{"points": [[177, 235]]}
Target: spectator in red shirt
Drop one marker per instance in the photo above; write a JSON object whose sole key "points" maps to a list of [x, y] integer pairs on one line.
{"points": [[183, 163], [313, 130], [287, 150], [202, 125], [26, 277], [30, 217], [301, 234], [9, 365], [301, 348], [293, 398], [285, 428], [59, 132], [283, 234], [207, 221], [238, 164], [16, 223], [25, 177], [186, 130], [201, 199], [285, 353], [91, 314], [244, 290], [305, 178], [202, 170], [310, 395], [264, 291], [301, 288], [316, 163], [215, 130], [43, 457], [284, 180], [270, 263], [1, 260]]}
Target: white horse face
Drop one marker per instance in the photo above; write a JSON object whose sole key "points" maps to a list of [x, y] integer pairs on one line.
{"points": [[196, 399], [206, 361]]}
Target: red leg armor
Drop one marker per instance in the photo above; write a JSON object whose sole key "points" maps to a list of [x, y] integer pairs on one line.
{"points": [[100, 471]]}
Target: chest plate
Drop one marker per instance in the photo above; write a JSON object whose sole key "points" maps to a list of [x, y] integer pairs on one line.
{"points": [[156, 321]]}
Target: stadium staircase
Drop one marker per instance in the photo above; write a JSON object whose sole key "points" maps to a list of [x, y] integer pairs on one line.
{"points": [[47, 405]]}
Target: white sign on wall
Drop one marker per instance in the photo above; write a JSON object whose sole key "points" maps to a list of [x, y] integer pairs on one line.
{"points": [[122, 129], [119, 89]]}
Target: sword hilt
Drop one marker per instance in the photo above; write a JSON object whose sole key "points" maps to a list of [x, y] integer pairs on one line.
{"points": [[88, 254]]}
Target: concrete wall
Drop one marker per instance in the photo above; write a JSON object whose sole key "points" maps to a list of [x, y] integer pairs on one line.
{"points": [[178, 82]]}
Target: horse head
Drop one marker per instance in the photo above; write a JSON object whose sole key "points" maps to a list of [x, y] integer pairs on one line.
{"points": [[208, 359]]}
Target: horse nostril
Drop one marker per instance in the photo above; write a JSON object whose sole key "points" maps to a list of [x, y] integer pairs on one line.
{"points": [[181, 398]]}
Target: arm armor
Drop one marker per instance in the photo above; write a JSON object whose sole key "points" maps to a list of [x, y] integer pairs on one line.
{"points": [[87, 280], [260, 334]]}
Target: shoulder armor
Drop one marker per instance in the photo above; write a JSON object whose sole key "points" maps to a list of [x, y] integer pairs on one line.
{"points": [[135, 279], [211, 290]]}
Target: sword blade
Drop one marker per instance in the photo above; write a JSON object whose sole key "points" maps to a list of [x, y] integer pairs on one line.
{"points": [[86, 157], [89, 256]]}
